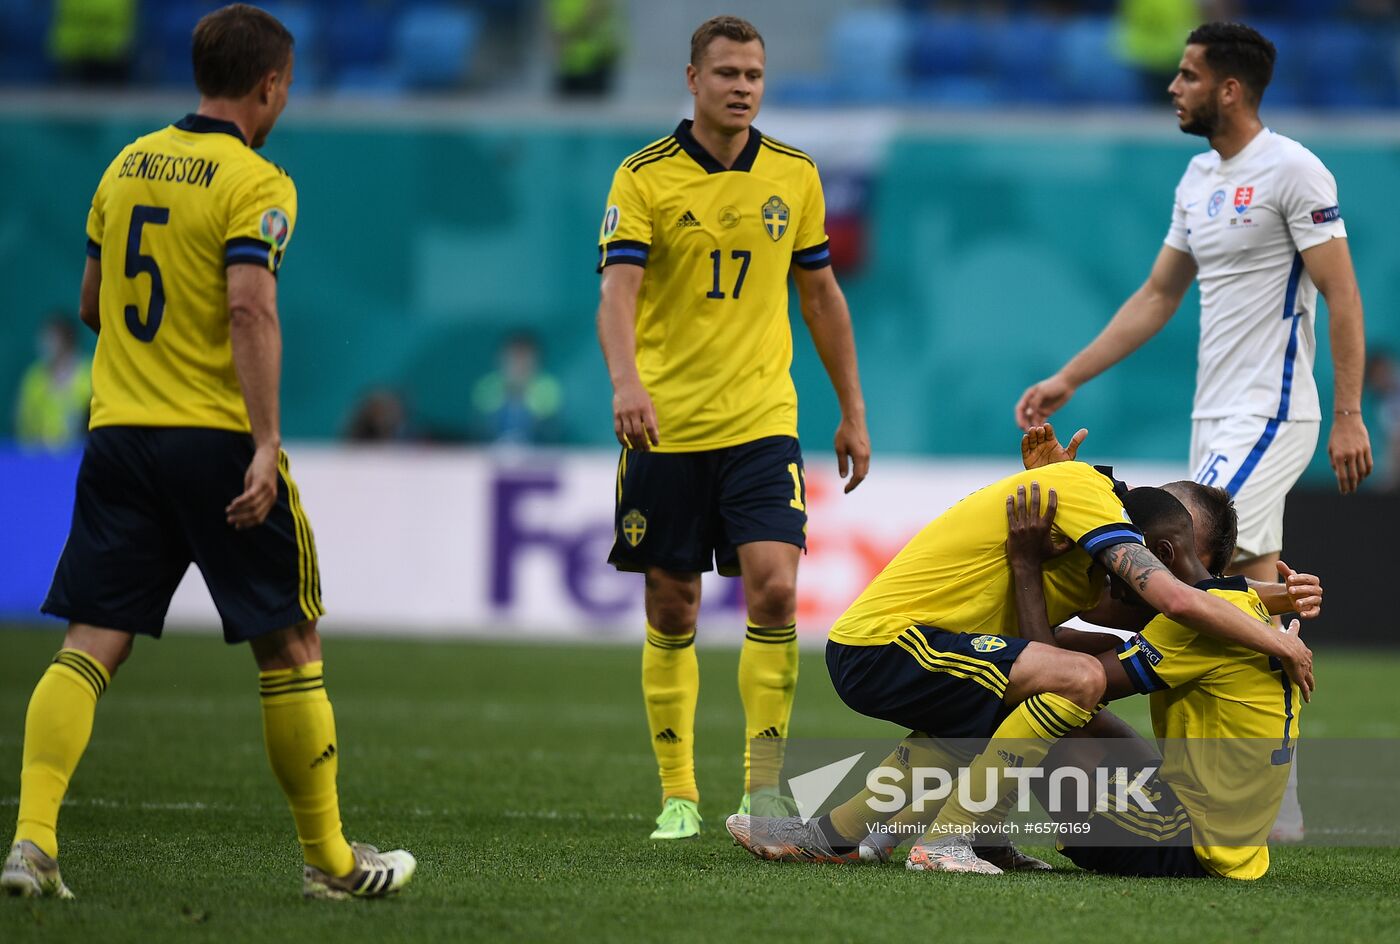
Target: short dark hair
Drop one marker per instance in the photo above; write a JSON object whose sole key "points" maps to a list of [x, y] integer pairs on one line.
{"points": [[234, 47], [1157, 510], [1218, 520], [1236, 51], [717, 27]]}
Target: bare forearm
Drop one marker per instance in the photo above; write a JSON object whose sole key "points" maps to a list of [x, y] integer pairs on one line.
{"points": [[1347, 332], [1213, 616], [1026, 581], [1274, 596], [828, 319], [1139, 318], [256, 339], [617, 335], [1080, 641]]}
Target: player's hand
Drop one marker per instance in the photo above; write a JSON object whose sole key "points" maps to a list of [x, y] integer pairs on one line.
{"points": [[1041, 400], [1304, 590], [852, 451], [1349, 449], [634, 418], [1030, 537], [1039, 447], [1298, 662], [259, 491]]}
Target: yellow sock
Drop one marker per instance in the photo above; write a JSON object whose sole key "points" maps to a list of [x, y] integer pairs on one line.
{"points": [[1022, 740], [299, 730], [767, 684], [56, 732], [853, 818], [671, 687]]}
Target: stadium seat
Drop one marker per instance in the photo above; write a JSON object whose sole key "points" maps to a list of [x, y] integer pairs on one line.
{"points": [[434, 46], [1087, 67], [1349, 67], [866, 56], [358, 36], [24, 26], [1288, 89], [304, 22], [948, 45], [1023, 54]]}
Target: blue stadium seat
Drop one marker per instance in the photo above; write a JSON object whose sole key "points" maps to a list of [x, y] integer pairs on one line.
{"points": [[434, 46], [1023, 54], [302, 20], [1349, 67], [359, 35], [866, 55], [944, 45], [1087, 68], [24, 26], [168, 33], [1288, 89]]}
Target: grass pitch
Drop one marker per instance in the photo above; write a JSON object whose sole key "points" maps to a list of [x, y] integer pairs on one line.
{"points": [[522, 779]]}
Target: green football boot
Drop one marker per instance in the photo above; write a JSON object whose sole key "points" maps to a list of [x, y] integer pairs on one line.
{"points": [[679, 819]]}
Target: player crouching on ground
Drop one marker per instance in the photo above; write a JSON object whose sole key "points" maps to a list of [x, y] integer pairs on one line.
{"points": [[1227, 717]]}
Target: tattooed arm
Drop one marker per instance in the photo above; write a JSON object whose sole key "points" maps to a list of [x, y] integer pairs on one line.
{"points": [[1137, 567]]}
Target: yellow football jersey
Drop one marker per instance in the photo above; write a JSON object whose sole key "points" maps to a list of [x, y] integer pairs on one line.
{"points": [[172, 212], [954, 575], [1228, 720], [714, 346]]}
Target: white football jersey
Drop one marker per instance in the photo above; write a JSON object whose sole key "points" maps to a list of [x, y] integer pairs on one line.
{"points": [[1246, 221]]}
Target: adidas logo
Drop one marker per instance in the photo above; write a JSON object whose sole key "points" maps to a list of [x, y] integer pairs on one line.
{"points": [[687, 219], [668, 737], [769, 733], [326, 755], [1012, 760]]}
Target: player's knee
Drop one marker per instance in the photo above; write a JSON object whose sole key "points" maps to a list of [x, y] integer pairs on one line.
{"points": [[288, 648], [1084, 680], [672, 605], [774, 601], [108, 646]]}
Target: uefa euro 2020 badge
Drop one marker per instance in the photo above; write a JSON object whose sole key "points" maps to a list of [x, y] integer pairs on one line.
{"points": [[276, 228]]}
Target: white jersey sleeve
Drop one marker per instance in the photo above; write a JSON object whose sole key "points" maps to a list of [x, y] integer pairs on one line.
{"points": [[1176, 231], [1308, 201]]}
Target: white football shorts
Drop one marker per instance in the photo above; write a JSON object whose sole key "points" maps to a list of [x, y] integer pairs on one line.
{"points": [[1256, 459]]}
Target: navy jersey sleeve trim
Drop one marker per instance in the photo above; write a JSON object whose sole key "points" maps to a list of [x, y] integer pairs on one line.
{"points": [[1140, 672], [94, 249], [245, 250], [623, 252], [1106, 536], [1120, 488], [816, 257]]}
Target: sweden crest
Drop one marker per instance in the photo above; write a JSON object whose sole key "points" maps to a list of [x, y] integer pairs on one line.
{"points": [[988, 643], [775, 217], [634, 527]]}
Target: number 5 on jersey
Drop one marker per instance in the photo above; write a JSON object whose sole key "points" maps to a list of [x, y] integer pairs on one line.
{"points": [[136, 263]]}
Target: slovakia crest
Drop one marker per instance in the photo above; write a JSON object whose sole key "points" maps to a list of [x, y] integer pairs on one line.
{"points": [[775, 217], [1243, 195]]}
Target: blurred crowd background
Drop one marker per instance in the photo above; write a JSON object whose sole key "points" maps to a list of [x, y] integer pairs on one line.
{"points": [[999, 176]]}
